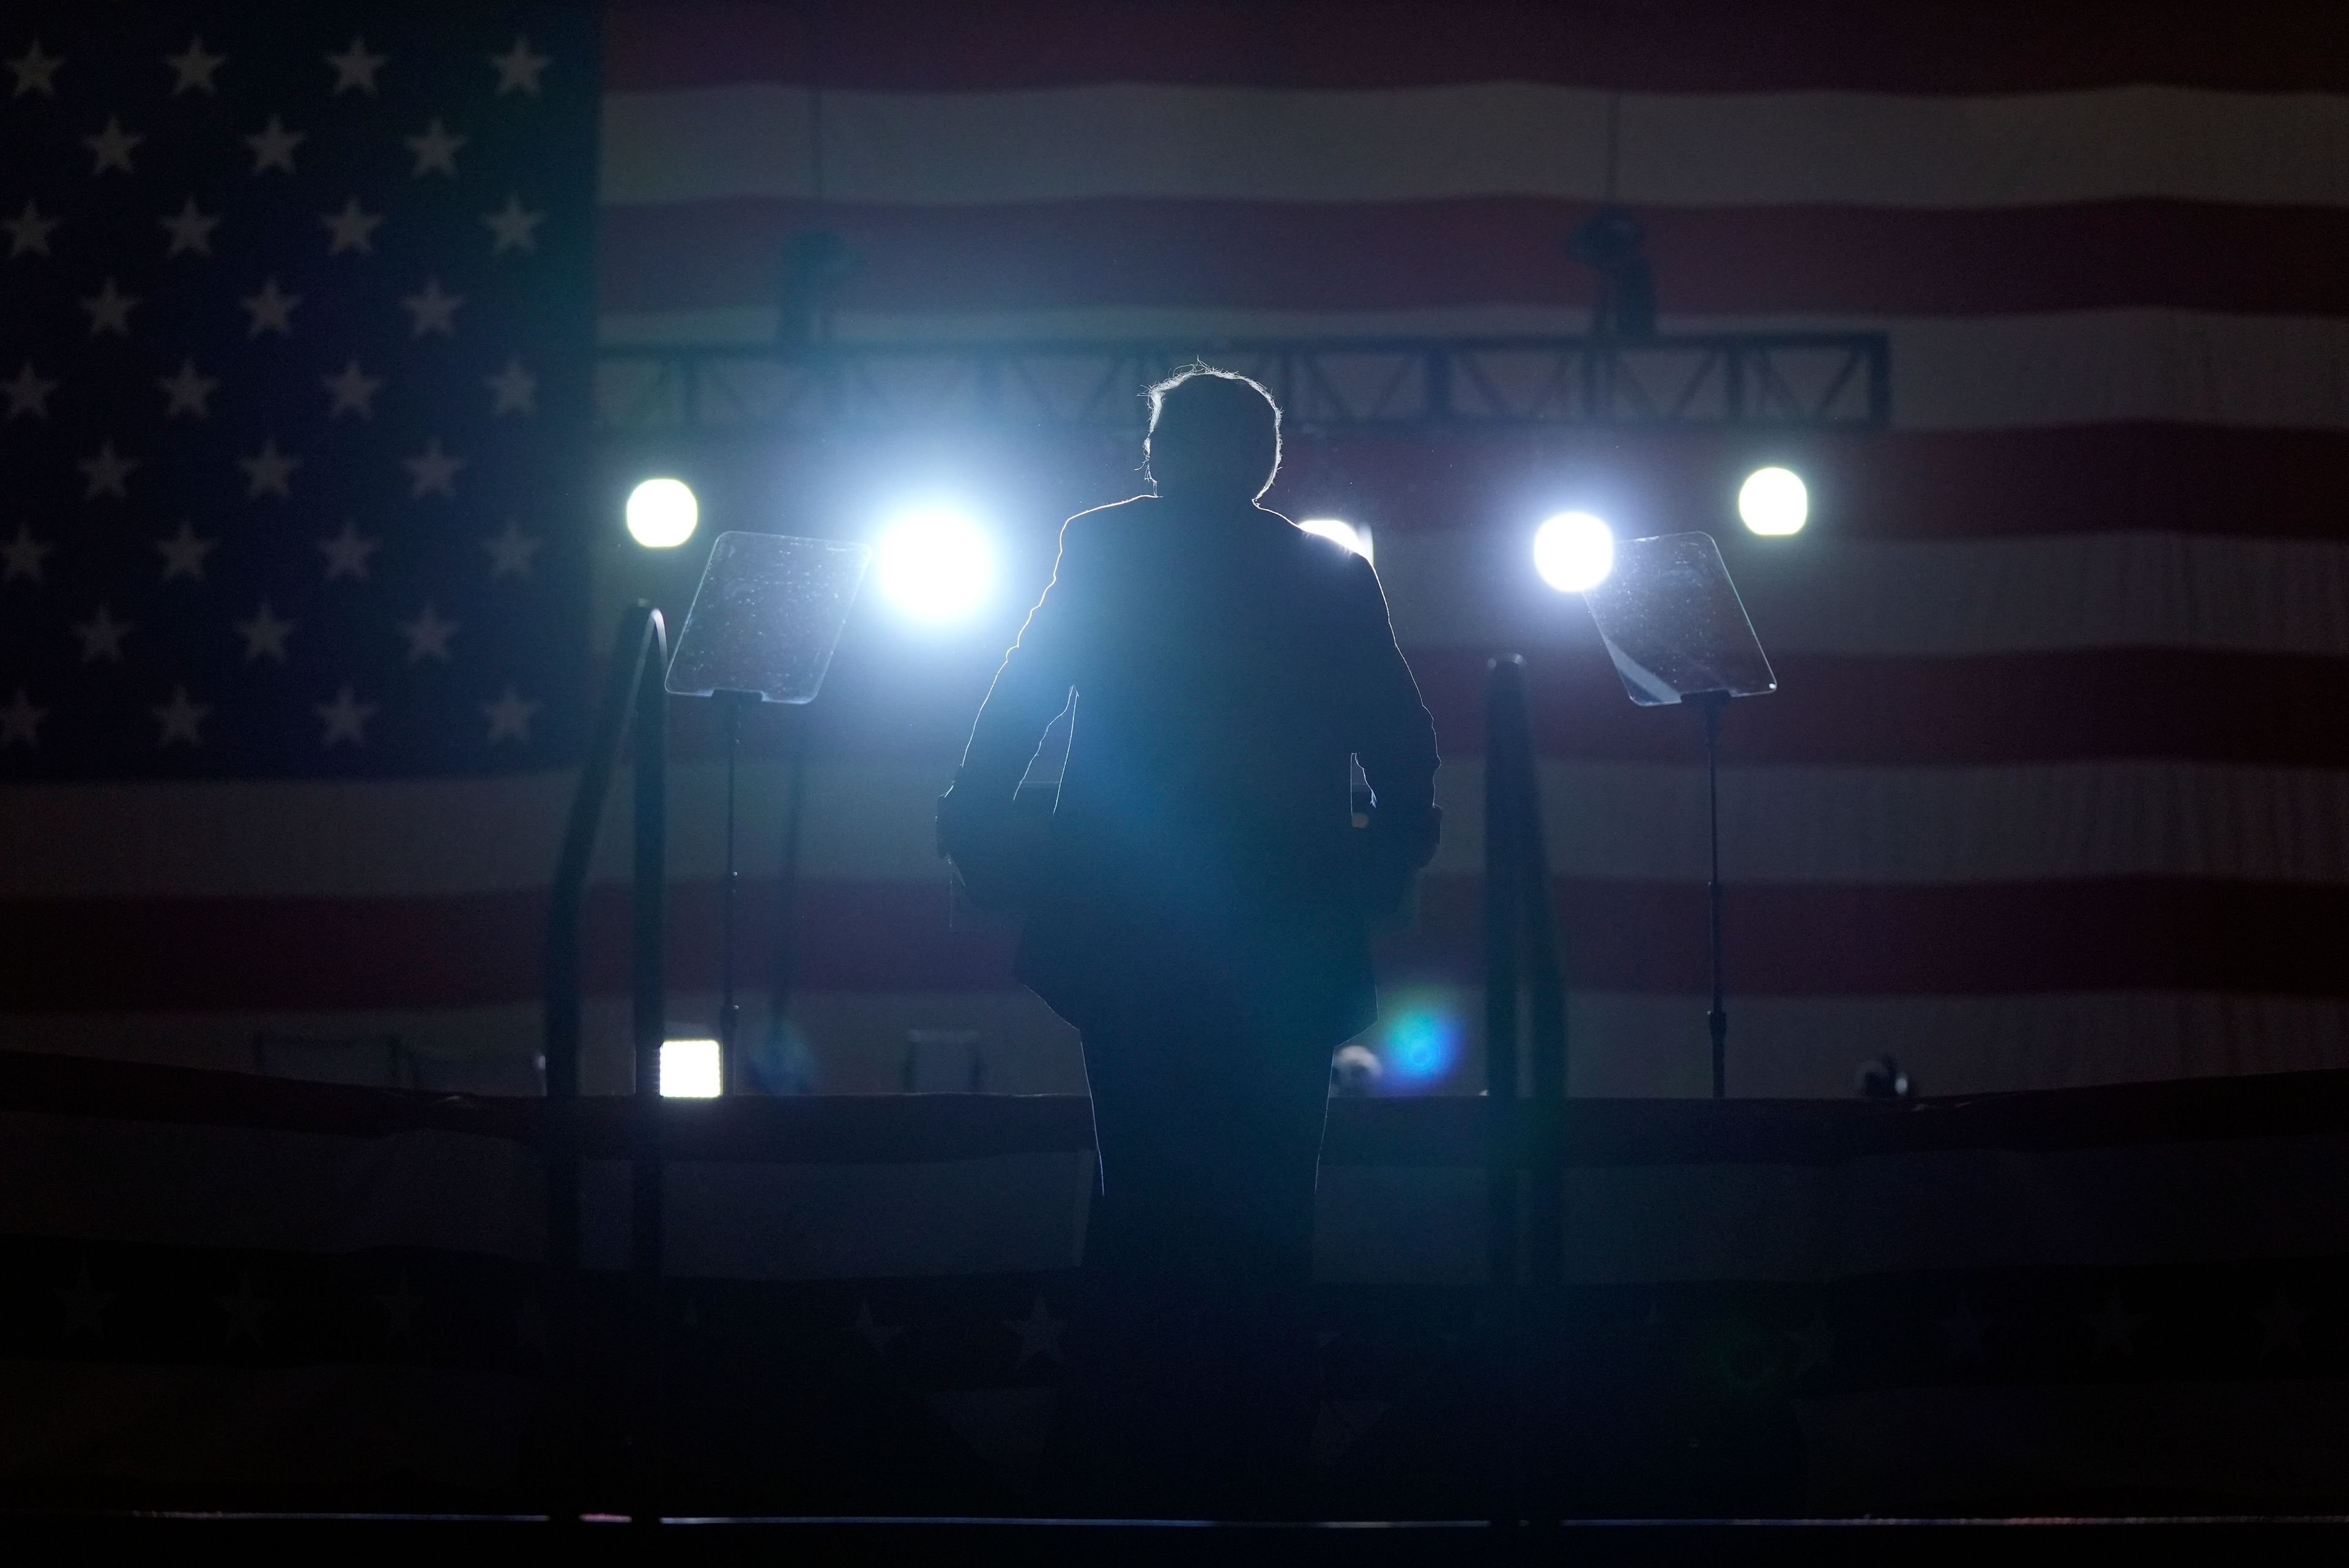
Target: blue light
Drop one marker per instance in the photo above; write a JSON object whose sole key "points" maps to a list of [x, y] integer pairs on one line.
{"points": [[1422, 1041]]}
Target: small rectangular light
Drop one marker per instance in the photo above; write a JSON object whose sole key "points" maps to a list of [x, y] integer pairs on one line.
{"points": [[691, 1070]]}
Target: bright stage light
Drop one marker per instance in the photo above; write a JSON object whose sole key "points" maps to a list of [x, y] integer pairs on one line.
{"points": [[662, 514], [1773, 500], [1573, 552], [935, 564], [1358, 540], [691, 1070]]}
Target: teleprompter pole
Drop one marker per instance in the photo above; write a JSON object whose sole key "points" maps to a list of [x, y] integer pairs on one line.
{"points": [[1716, 1021], [729, 1011]]}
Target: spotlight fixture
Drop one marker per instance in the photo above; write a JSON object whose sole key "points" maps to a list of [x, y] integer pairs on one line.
{"points": [[935, 564], [1773, 500], [662, 514], [1574, 552], [1358, 540]]}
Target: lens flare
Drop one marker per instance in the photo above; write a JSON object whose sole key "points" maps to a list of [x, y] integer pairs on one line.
{"points": [[1420, 1043]]}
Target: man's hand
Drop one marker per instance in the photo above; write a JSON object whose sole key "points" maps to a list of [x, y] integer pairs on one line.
{"points": [[996, 849], [1391, 852]]}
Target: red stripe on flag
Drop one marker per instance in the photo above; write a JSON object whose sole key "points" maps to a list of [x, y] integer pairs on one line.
{"points": [[1693, 45], [325, 955], [912, 704], [1889, 484]]}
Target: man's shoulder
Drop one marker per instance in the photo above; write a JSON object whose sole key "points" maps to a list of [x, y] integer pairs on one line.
{"points": [[1117, 514], [1089, 533]]}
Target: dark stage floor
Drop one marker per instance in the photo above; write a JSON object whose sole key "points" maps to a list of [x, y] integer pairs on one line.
{"points": [[850, 1543]]}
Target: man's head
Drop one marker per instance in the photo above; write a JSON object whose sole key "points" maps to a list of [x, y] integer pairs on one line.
{"points": [[1214, 436]]}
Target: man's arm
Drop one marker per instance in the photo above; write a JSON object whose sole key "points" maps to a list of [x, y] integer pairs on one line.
{"points": [[1393, 738], [974, 816]]}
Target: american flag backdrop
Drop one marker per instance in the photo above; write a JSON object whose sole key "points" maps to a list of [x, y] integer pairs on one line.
{"points": [[2053, 792]]}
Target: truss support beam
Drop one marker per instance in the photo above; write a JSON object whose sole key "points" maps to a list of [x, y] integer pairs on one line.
{"points": [[1790, 381]]}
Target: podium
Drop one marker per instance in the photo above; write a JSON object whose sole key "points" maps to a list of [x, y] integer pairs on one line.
{"points": [[765, 620], [1678, 636]]}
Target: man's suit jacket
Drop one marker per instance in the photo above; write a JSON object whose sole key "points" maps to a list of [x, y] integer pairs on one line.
{"points": [[1224, 665]]}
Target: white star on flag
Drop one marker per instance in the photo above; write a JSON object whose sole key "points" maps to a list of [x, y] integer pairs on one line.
{"points": [[1038, 1332], [21, 721], [873, 1332], [433, 310], [354, 392], [195, 69], [188, 391], [428, 636], [1962, 1333], [345, 718], [347, 552], [191, 230], [2114, 1328], [514, 225], [183, 553], [85, 1303], [515, 389], [510, 717], [433, 470], [1814, 1344], [2280, 1325], [272, 146], [264, 635], [29, 231], [355, 68], [244, 1311], [106, 471], [101, 637], [36, 72], [352, 229], [111, 148], [400, 1308], [268, 471], [109, 310], [271, 310], [510, 552], [435, 152], [518, 69], [22, 555], [181, 718], [29, 393]]}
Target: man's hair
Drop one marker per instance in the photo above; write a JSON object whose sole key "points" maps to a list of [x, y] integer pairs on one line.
{"points": [[1213, 430]]}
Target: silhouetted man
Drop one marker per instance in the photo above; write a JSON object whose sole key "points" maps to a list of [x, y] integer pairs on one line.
{"points": [[1199, 905]]}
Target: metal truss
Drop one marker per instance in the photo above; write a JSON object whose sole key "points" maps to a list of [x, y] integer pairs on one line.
{"points": [[1813, 380]]}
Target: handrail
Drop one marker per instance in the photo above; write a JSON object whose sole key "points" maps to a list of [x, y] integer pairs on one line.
{"points": [[639, 665], [1526, 1256], [1521, 952]]}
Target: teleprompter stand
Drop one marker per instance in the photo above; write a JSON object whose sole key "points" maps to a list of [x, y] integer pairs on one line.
{"points": [[1678, 633], [764, 622]]}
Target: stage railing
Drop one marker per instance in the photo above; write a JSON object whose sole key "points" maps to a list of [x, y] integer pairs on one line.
{"points": [[639, 663], [1526, 1240]]}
